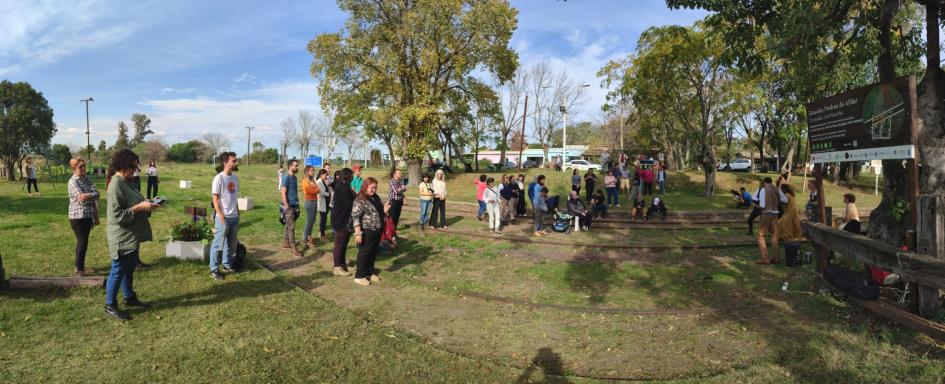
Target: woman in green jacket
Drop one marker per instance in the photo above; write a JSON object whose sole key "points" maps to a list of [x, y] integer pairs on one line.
{"points": [[127, 226]]}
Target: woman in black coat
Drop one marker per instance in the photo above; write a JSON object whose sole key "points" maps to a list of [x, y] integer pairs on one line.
{"points": [[341, 220]]}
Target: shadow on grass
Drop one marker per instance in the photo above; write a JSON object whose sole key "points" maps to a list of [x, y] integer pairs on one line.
{"points": [[550, 366], [408, 252], [803, 339], [593, 278], [223, 291], [45, 204]]}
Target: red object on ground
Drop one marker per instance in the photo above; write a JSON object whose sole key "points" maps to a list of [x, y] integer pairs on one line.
{"points": [[878, 274]]}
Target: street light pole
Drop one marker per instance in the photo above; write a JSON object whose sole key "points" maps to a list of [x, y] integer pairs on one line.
{"points": [[249, 135], [88, 139]]}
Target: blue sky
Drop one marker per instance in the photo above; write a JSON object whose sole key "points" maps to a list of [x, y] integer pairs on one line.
{"points": [[217, 66]]}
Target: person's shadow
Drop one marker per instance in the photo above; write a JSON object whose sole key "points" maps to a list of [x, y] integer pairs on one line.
{"points": [[550, 365]]}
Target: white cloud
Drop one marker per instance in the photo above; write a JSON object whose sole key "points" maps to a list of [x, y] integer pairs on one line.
{"points": [[43, 32], [182, 119]]}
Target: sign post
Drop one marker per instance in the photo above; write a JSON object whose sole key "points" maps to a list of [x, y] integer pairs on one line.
{"points": [[875, 122]]}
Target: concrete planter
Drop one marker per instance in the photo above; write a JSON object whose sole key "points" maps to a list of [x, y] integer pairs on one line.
{"points": [[185, 183], [244, 203], [187, 250]]}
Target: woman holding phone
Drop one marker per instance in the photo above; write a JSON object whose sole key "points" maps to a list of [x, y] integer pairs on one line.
{"points": [[128, 226]]}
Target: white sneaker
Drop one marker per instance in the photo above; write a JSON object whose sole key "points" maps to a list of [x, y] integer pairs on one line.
{"points": [[891, 279]]}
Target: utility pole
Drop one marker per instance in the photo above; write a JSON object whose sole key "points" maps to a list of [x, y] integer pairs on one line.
{"points": [[521, 141], [249, 135], [88, 140]]}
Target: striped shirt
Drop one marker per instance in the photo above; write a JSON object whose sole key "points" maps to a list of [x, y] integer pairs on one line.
{"points": [[81, 209]]}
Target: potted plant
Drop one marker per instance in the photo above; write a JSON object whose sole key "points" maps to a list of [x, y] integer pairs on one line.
{"points": [[190, 239]]}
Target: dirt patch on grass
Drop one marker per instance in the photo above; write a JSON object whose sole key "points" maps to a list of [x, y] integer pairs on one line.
{"points": [[644, 345]]}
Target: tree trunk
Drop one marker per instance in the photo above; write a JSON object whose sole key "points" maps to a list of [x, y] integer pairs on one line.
{"points": [[11, 170], [707, 159], [390, 149], [931, 111], [413, 170], [884, 225], [789, 158], [835, 173]]}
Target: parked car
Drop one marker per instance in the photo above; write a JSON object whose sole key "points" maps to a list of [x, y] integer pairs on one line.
{"points": [[736, 165], [581, 165], [530, 164]]}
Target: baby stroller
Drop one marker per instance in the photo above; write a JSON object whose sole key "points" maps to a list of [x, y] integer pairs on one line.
{"points": [[563, 222]]}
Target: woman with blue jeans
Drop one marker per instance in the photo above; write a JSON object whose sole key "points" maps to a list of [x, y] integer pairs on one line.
{"points": [[127, 226], [426, 199], [610, 182]]}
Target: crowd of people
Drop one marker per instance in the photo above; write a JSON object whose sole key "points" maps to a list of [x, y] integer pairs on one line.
{"points": [[354, 208]]}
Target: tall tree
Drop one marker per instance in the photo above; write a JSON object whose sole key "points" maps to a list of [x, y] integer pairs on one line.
{"points": [[215, 141], [141, 123], [289, 133], [327, 131], [306, 131], [553, 90], [680, 71], [403, 57], [511, 94], [122, 142], [931, 93]]}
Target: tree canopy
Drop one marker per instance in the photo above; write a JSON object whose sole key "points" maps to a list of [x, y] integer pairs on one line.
{"points": [[26, 123], [396, 62]]}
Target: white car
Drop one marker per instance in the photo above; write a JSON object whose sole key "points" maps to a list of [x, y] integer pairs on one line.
{"points": [[736, 165], [581, 165]]}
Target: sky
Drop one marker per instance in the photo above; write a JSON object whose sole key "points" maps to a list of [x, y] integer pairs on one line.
{"points": [[219, 66]]}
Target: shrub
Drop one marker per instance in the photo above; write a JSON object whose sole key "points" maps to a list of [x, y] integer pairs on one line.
{"points": [[197, 229]]}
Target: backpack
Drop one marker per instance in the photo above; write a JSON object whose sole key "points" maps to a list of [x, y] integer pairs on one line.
{"points": [[239, 258], [531, 189]]}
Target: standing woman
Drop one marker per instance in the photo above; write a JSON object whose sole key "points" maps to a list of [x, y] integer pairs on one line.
{"points": [[324, 196], [152, 179], [789, 225], [610, 182], [439, 200], [310, 191], [396, 196], [590, 181], [576, 181], [127, 227], [341, 221], [367, 218], [83, 211], [30, 171], [520, 203], [426, 199], [491, 197]]}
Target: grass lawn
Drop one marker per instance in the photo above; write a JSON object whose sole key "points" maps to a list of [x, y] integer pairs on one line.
{"points": [[451, 308]]}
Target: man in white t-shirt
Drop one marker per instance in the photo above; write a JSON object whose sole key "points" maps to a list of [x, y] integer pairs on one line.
{"points": [[226, 215]]}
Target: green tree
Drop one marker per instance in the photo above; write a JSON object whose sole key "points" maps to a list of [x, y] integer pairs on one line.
{"points": [[843, 44], [26, 121], [61, 153], [402, 58], [122, 142], [679, 72], [141, 123]]}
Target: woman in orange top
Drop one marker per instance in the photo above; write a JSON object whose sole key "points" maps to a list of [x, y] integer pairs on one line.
{"points": [[310, 191]]}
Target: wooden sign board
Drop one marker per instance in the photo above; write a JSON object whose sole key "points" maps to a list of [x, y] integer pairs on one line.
{"points": [[875, 122]]}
